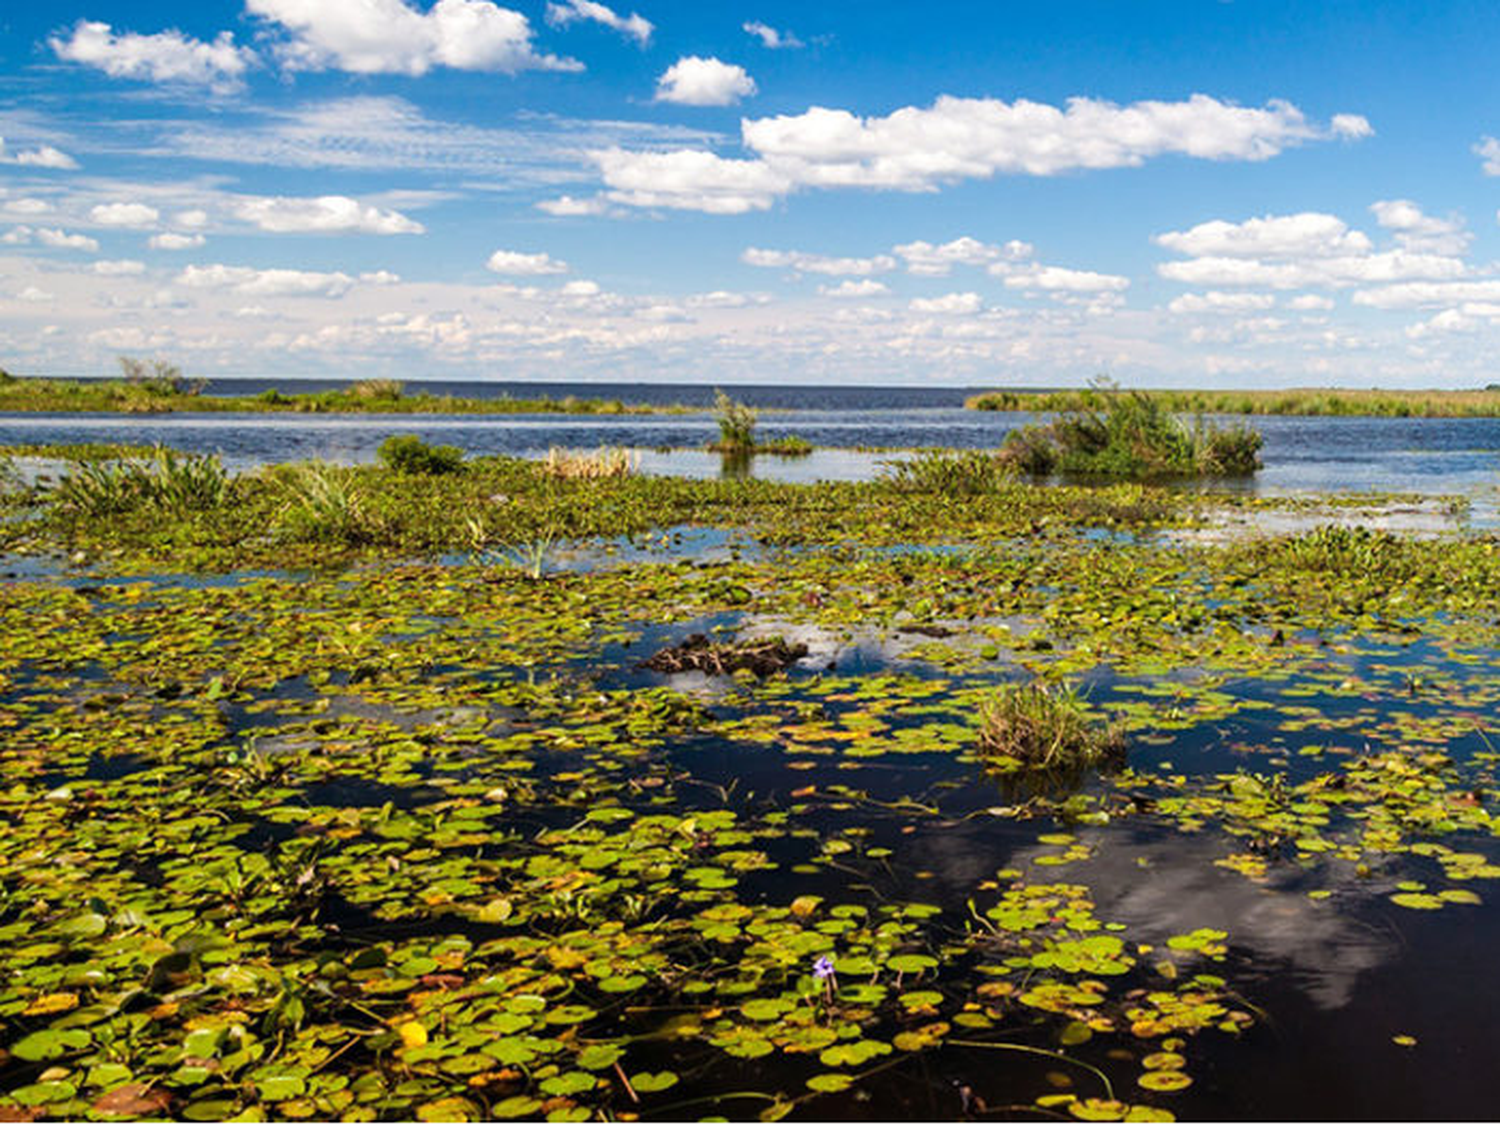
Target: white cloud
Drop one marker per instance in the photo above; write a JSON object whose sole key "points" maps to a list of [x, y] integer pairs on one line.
{"points": [[167, 57], [195, 219], [1310, 302], [581, 289], [635, 26], [170, 241], [324, 214], [1216, 302], [130, 215], [923, 148], [1309, 234], [1059, 279], [723, 299], [390, 37], [527, 265], [26, 206], [855, 289], [1350, 126], [1419, 232], [43, 156], [694, 80], [1392, 265], [266, 283], [565, 206], [950, 304], [118, 267], [49, 236], [690, 180], [817, 263], [1417, 294], [770, 37], [1488, 150], [33, 295], [927, 260], [380, 277]]}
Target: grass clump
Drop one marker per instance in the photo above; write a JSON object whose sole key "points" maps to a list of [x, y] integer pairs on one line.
{"points": [[324, 504], [378, 390], [1039, 726], [1111, 432], [788, 445], [736, 425], [167, 481], [407, 453], [956, 473], [605, 463]]}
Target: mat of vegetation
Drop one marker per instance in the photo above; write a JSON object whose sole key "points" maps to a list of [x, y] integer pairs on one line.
{"points": [[1303, 401], [162, 389], [423, 839]]}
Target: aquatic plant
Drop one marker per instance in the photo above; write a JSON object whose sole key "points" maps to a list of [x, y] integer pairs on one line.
{"points": [[1042, 726], [1305, 402], [1112, 432], [955, 472], [168, 481], [788, 445], [601, 464], [367, 389], [323, 504], [407, 453], [736, 423]]}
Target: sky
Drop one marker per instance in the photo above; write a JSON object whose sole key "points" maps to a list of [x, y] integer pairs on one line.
{"points": [[1198, 193]]}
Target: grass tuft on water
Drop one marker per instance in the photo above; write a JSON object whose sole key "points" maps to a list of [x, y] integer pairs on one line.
{"points": [[1040, 726], [605, 463], [167, 481]]}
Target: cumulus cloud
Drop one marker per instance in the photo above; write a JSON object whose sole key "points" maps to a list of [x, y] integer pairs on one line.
{"points": [[324, 214], [266, 283], [166, 57], [33, 295], [1312, 249], [121, 267], [1488, 150], [845, 290], [171, 241], [390, 37], [694, 80], [527, 265], [818, 263], [1216, 302], [1310, 302], [770, 37], [1308, 234], [49, 236], [567, 206], [927, 260], [129, 215], [1059, 279], [690, 180], [1418, 294], [634, 26], [1417, 231], [923, 148], [43, 156], [195, 219], [950, 304], [26, 206]]}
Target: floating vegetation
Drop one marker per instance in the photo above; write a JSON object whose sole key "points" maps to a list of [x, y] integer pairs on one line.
{"points": [[696, 653]]}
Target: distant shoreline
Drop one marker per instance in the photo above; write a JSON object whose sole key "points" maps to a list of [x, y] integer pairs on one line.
{"points": [[1306, 402]]}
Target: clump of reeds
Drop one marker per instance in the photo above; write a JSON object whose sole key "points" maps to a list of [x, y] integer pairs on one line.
{"points": [[952, 473], [376, 389], [1111, 432], [323, 505], [409, 454], [167, 481], [604, 463], [1040, 726]]}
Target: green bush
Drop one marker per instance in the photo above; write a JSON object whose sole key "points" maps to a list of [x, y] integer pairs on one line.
{"points": [[736, 424], [407, 453]]}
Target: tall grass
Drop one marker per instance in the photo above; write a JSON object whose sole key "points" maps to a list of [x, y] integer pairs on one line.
{"points": [[1040, 726], [602, 464], [736, 424], [955, 473], [1111, 432], [376, 389], [168, 481], [324, 504]]}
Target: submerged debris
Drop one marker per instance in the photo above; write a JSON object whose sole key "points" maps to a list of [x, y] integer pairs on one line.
{"points": [[698, 654]]}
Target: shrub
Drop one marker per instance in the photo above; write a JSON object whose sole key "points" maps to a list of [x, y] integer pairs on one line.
{"points": [[377, 389], [736, 424], [272, 397], [1038, 726], [158, 377], [324, 505], [407, 453], [601, 464], [1111, 432]]}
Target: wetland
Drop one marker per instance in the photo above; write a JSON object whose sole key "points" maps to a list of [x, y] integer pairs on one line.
{"points": [[343, 791]]}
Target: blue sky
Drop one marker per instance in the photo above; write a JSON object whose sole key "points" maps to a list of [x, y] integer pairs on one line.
{"points": [[1192, 194]]}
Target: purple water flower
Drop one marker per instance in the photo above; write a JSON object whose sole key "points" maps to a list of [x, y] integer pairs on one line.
{"points": [[823, 968]]}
